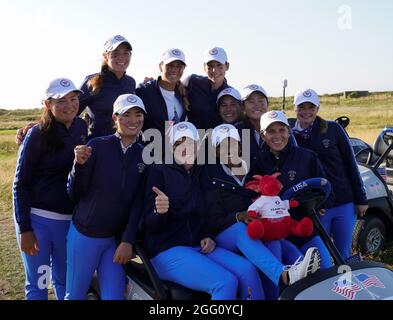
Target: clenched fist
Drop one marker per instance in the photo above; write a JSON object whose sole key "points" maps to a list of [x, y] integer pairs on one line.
{"points": [[82, 154]]}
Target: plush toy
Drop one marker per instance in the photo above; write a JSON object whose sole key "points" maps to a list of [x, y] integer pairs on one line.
{"points": [[269, 216]]}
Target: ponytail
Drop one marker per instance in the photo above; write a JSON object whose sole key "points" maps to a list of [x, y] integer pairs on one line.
{"points": [[96, 82], [323, 125], [182, 90]]}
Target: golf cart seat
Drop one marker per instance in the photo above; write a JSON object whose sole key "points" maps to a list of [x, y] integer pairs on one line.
{"points": [[383, 141]]}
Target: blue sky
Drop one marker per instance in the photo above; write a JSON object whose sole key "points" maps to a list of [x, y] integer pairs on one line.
{"points": [[330, 46]]}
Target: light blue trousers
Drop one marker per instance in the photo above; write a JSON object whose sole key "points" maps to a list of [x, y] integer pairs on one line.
{"points": [[50, 263], [220, 273], [85, 255]]}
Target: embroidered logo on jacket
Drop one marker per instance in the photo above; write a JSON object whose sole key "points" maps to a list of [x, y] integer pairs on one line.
{"points": [[292, 175], [326, 143], [141, 167]]}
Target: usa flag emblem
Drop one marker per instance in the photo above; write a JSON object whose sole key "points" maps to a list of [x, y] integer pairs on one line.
{"points": [[346, 288], [370, 281]]}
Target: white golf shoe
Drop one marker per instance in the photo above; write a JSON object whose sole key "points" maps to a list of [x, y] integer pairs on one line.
{"points": [[301, 269]]}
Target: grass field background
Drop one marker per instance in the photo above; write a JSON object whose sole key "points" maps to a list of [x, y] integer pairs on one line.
{"points": [[368, 116]]}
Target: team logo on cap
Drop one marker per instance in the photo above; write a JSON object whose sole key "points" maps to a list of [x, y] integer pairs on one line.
{"points": [[182, 127], [65, 83], [253, 87], [176, 52], [213, 52], [273, 115], [307, 94], [119, 38], [224, 129], [229, 90], [132, 99]]}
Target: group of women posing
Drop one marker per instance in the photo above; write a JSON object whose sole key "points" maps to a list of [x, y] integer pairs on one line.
{"points": [[83, 194]]}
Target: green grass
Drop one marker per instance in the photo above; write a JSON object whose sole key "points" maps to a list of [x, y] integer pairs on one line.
{"points": [[15, 119], [11, 268], [368, 115]]}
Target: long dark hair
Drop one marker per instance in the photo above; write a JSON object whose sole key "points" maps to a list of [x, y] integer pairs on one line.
{"points": [[323, 124], [50, 139], [182, 90], [96, 82]]}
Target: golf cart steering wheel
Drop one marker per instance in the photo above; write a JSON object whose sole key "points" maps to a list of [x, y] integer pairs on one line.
{"points": [[311, 193], [343, 121], [369, 151]]}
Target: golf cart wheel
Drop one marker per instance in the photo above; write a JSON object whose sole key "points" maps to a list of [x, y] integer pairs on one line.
{"points": [[370, 234]]}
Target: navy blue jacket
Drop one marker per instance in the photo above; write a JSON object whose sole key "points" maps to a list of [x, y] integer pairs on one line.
{"points": [[41, 175], [156, 109], [108, 188], [255, 148], [295, 165], [101, 104], [183, 224], [337, 157], [203, 107], [225, 197]]}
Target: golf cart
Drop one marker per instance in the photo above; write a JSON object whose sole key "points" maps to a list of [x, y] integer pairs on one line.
{"points": [[376, 169], [368, 280], [357, 280]]}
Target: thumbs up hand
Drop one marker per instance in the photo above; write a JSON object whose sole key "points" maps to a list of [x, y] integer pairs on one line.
{"points": [[162, 201]]}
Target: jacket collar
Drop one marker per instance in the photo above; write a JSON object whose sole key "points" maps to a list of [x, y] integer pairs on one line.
{"points": [[111, 76]]}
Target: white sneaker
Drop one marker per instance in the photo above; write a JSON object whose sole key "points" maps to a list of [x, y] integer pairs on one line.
{"points": [[301, 269]]}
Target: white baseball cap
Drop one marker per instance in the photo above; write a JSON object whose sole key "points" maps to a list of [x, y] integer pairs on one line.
{"points": [[113, 42], [216, 54], [173, 54], [273, 116], [306, 95], [229, 92], [58, 88], [126, 102], [181, 130], [248, 90], [223, 132]]}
